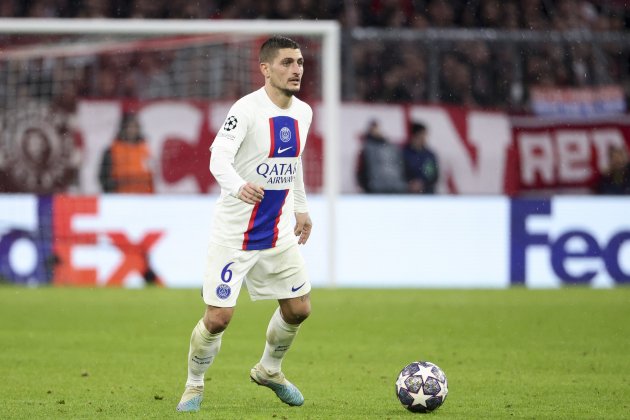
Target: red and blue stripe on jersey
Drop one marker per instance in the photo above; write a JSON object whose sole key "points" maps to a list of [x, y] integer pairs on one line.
{"points": [[262, 231]]}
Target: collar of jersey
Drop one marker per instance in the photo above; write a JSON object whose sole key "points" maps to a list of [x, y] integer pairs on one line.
{"points": [[268, 99]]}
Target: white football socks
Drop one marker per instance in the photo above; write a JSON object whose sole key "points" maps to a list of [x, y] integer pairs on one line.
{"points": [[280, 335], [204, 346]]}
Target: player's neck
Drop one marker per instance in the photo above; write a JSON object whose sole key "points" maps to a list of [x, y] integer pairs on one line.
{"points": [[279, 98]]}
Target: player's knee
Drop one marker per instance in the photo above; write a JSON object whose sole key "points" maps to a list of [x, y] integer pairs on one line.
{"points": [[216, 324], [217, 320], [297, 315], [301, 316]]}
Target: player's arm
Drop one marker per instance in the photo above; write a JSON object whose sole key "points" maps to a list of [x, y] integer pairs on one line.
{"points": [[222, 168], [303, 223], [224, 149]]}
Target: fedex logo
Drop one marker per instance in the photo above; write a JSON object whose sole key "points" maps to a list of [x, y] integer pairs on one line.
{"points": [[54, 241], [40, 242], [568, 246]]}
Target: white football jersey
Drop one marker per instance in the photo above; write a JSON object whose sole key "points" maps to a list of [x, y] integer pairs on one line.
{"points": [[262, 144]]}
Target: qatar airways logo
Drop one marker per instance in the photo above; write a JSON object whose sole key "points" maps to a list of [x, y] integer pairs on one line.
{"points": [[577, 254], [277, 173]]}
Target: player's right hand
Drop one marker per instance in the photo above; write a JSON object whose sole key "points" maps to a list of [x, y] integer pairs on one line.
{"points": [[251, 193]]}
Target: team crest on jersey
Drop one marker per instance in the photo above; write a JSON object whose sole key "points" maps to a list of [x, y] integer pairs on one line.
{"points": [[223, 291], [230, 123], [285, 134]]}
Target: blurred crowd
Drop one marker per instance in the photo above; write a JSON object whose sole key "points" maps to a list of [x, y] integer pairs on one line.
{"points": [[508, 14], [474, 73], [480, 73]]}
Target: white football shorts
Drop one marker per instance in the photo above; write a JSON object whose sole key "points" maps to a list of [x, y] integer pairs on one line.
{"points": [[274, 273]]}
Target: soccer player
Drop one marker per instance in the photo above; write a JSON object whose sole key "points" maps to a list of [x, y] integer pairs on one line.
{"points": [[256, 161]]}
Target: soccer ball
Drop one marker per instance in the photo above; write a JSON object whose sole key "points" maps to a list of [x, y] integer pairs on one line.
{"points": [[421, 387]]}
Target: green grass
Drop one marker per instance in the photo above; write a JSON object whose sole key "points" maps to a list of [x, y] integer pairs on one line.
{"points": [[116, 353]]}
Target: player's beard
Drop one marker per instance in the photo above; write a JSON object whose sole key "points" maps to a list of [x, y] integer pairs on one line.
{"points": [[287, 91], [290, 92]]}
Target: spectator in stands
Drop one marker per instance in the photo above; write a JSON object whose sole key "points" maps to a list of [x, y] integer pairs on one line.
{"points": [[441, 14], [483, 78], [94, 9], [126, 165], [42, 9], [616, 180], [152, 79], [8, 9], [421, 165], [146, 9], [491, 14], [511, 16], [534, 15], [184, 9], [456, 81], [380, 169], [539, 71]]}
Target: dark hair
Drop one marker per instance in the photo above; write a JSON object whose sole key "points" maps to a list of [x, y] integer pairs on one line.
{"points": [[417, 127], [129, 118], [270, 47]]}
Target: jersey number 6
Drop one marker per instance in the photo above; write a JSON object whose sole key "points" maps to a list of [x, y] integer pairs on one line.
{"points": [[226, 273]]}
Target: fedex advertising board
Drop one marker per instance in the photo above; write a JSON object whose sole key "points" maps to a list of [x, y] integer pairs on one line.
{"points": [[570, 240], [438, 242], [108, 241], [25, 249], [380, 241]]}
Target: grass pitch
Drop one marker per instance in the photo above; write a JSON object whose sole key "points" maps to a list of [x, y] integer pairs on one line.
{"points": [[116, 353]]}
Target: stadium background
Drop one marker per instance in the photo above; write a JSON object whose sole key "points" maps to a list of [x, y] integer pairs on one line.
{"points": [[522, 100]]}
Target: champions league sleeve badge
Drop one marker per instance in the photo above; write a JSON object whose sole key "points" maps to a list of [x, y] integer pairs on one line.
{"points": [[230, 123]]}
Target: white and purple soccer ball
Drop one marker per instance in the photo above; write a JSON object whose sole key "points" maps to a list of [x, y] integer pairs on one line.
{"points": [[421, 387]]}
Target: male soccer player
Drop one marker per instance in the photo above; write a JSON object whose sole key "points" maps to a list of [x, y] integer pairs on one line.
{"points": [[256, 161]]}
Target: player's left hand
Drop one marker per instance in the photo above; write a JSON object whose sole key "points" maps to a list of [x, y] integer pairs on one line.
{"points": [[303, 226]]}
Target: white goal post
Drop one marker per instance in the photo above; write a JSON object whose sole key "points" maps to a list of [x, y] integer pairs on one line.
{"points": [[329, 31]]}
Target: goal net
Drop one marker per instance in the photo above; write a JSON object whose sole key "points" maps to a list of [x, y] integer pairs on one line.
{"points": [[70, 88], [67, 86]]}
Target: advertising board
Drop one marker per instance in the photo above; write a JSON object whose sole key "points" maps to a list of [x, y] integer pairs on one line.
{"points": [[381, 241]]}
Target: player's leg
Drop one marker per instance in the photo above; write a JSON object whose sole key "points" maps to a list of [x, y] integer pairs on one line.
{"points": [[225, 272], [281, 331], [286, 280], [205, 343]]}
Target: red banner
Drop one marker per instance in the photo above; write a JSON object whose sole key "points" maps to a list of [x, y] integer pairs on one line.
{"points": [[478, 151], [564, 156]]}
